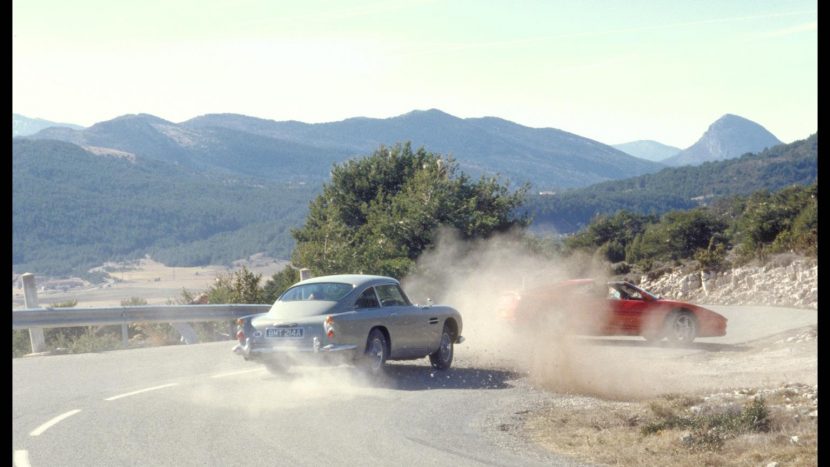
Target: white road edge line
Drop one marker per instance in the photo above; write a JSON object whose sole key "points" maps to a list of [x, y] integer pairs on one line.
{"points": [[234, 373], [21, 459], [140, 391], [39, 430]]}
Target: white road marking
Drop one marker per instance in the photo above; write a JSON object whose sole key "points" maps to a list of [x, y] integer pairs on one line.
{"points": [[39, 430], [21, 459], [140, 391], [234, 373]]}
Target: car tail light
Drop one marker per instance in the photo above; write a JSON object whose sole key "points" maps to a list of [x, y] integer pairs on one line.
{"points": [[328, 325], [240, 336]]}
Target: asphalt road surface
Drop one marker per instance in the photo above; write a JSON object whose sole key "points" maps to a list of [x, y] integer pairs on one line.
{"points": [[202, 405]]}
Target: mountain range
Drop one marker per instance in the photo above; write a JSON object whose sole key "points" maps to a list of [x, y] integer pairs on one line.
{"points": [[24, 126], [295, 151], [221, 187]]}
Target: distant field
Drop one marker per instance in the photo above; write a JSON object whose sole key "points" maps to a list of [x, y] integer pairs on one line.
{"points": [[146, 279]]}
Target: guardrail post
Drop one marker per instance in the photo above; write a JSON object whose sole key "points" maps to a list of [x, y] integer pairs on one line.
{"points": [[30, 301]]}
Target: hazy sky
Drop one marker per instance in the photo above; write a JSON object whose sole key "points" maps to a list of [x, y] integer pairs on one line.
{"points": [[614, 71]]}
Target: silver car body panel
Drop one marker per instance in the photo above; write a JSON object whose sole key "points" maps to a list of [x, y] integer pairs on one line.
{"points": [[413, 331]]}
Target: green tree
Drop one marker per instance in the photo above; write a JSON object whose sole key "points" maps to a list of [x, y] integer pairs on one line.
{"points": [[379, 213], [279, 282], [780, 221], [612, 235], [241, 286], [678, 235]]}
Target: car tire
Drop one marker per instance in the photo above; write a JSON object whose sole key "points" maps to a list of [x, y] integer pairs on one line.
{"points": [[441, 359], [681, 327], [376, 353]]}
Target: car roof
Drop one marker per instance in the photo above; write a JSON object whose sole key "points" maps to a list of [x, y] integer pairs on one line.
{"points": [[355, 280]]}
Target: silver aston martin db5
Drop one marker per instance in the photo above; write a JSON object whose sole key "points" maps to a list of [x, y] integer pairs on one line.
{"points": [[362, 319]]}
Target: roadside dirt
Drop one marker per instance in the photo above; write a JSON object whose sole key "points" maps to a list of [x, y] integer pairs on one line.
{"points": [[689, 410]]}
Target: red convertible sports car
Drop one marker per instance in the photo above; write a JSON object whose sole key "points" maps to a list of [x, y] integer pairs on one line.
{"points": [[584, 306]]}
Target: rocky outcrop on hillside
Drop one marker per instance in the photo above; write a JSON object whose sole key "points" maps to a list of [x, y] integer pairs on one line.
{"points": [[789, 283], [728, 137]]}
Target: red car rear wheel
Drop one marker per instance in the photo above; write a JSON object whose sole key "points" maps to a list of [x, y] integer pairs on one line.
{"points": [[681, 327]]}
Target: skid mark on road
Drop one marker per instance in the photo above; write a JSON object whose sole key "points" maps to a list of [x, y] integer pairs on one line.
{"points": [[39, 430], [154, 388]]}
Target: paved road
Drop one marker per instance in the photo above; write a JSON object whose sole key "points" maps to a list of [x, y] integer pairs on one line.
{"points": [[202, 405]]}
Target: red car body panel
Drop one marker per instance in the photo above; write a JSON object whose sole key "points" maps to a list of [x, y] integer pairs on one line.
{"points": [[585, 309]]}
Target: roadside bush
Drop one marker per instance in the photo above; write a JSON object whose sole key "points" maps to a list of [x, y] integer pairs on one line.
{"points": [[713, 258], [620, 268], [708, 432], [21, 345]]}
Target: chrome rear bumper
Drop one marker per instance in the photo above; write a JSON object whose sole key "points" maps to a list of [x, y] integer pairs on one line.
{"points": [[246, 350]]}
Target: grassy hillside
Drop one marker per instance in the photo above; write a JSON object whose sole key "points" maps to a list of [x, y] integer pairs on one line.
{"points": [[72, 209], [680, 188]]}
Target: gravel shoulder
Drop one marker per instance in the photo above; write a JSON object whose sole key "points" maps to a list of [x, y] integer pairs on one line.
{"points": [[689, 409]]}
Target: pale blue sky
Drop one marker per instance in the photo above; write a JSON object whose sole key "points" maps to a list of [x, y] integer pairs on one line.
{"points": [[614, 71]]}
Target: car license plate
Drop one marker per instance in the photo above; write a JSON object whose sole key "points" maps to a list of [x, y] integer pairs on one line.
{"points": [[284, 332]]}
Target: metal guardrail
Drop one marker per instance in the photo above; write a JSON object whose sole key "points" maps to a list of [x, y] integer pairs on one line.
{"points": [[68, 317], [35, 318]]}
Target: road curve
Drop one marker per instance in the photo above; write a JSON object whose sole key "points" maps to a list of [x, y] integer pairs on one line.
{"points": [[202, 405]]}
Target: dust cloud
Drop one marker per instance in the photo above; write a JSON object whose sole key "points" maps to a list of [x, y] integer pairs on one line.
{"points": [[479, 280], [302, 381]]}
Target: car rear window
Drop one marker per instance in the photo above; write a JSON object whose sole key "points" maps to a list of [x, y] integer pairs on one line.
{"points": [[326, 291]]}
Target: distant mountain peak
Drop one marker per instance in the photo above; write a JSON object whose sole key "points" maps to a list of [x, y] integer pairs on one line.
{"points": [[727, 137], [138, 117], [429, 113], [731, 119]]}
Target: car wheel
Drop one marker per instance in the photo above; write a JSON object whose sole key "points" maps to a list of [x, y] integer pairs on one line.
{"points": [[441, 359], [377, 351], [681, 327]]}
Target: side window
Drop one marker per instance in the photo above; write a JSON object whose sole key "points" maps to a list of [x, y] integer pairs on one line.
{"points": [[367, 299], [632, 293], [391, 295]]}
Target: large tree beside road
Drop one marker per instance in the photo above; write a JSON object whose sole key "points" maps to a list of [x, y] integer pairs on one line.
{"points": [[379, 213]]}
